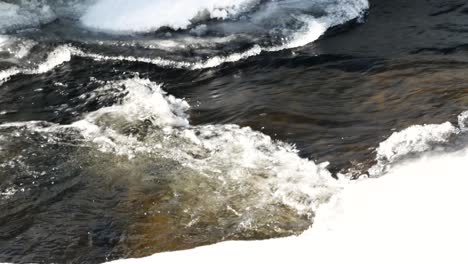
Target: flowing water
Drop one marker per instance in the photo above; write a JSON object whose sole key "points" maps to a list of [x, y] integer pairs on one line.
{"points": [[129, 128]]}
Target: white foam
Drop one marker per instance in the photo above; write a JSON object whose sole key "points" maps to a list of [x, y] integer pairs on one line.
{"points": [[6, 74], [120, 18], [15, 48], [58, 56], [338, 13], [3, 40], [22, 49], [144, 100], [208, 63], [229, 167], [414, 213], [240, 155], [147, 15], [140, 16], [312, 30], [415, 139], [234, 159], [156, 61], [218, 60], [462, 121]]}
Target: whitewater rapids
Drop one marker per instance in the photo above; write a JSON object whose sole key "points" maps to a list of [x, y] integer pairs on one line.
{"points": [[413, 213], [409, 210]]}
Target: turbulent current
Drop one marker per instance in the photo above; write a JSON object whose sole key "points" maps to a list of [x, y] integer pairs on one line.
{"points": [[129, 128]]}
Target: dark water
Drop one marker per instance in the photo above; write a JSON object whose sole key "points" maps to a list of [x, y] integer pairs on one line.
{"points": [[335, 99]]}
